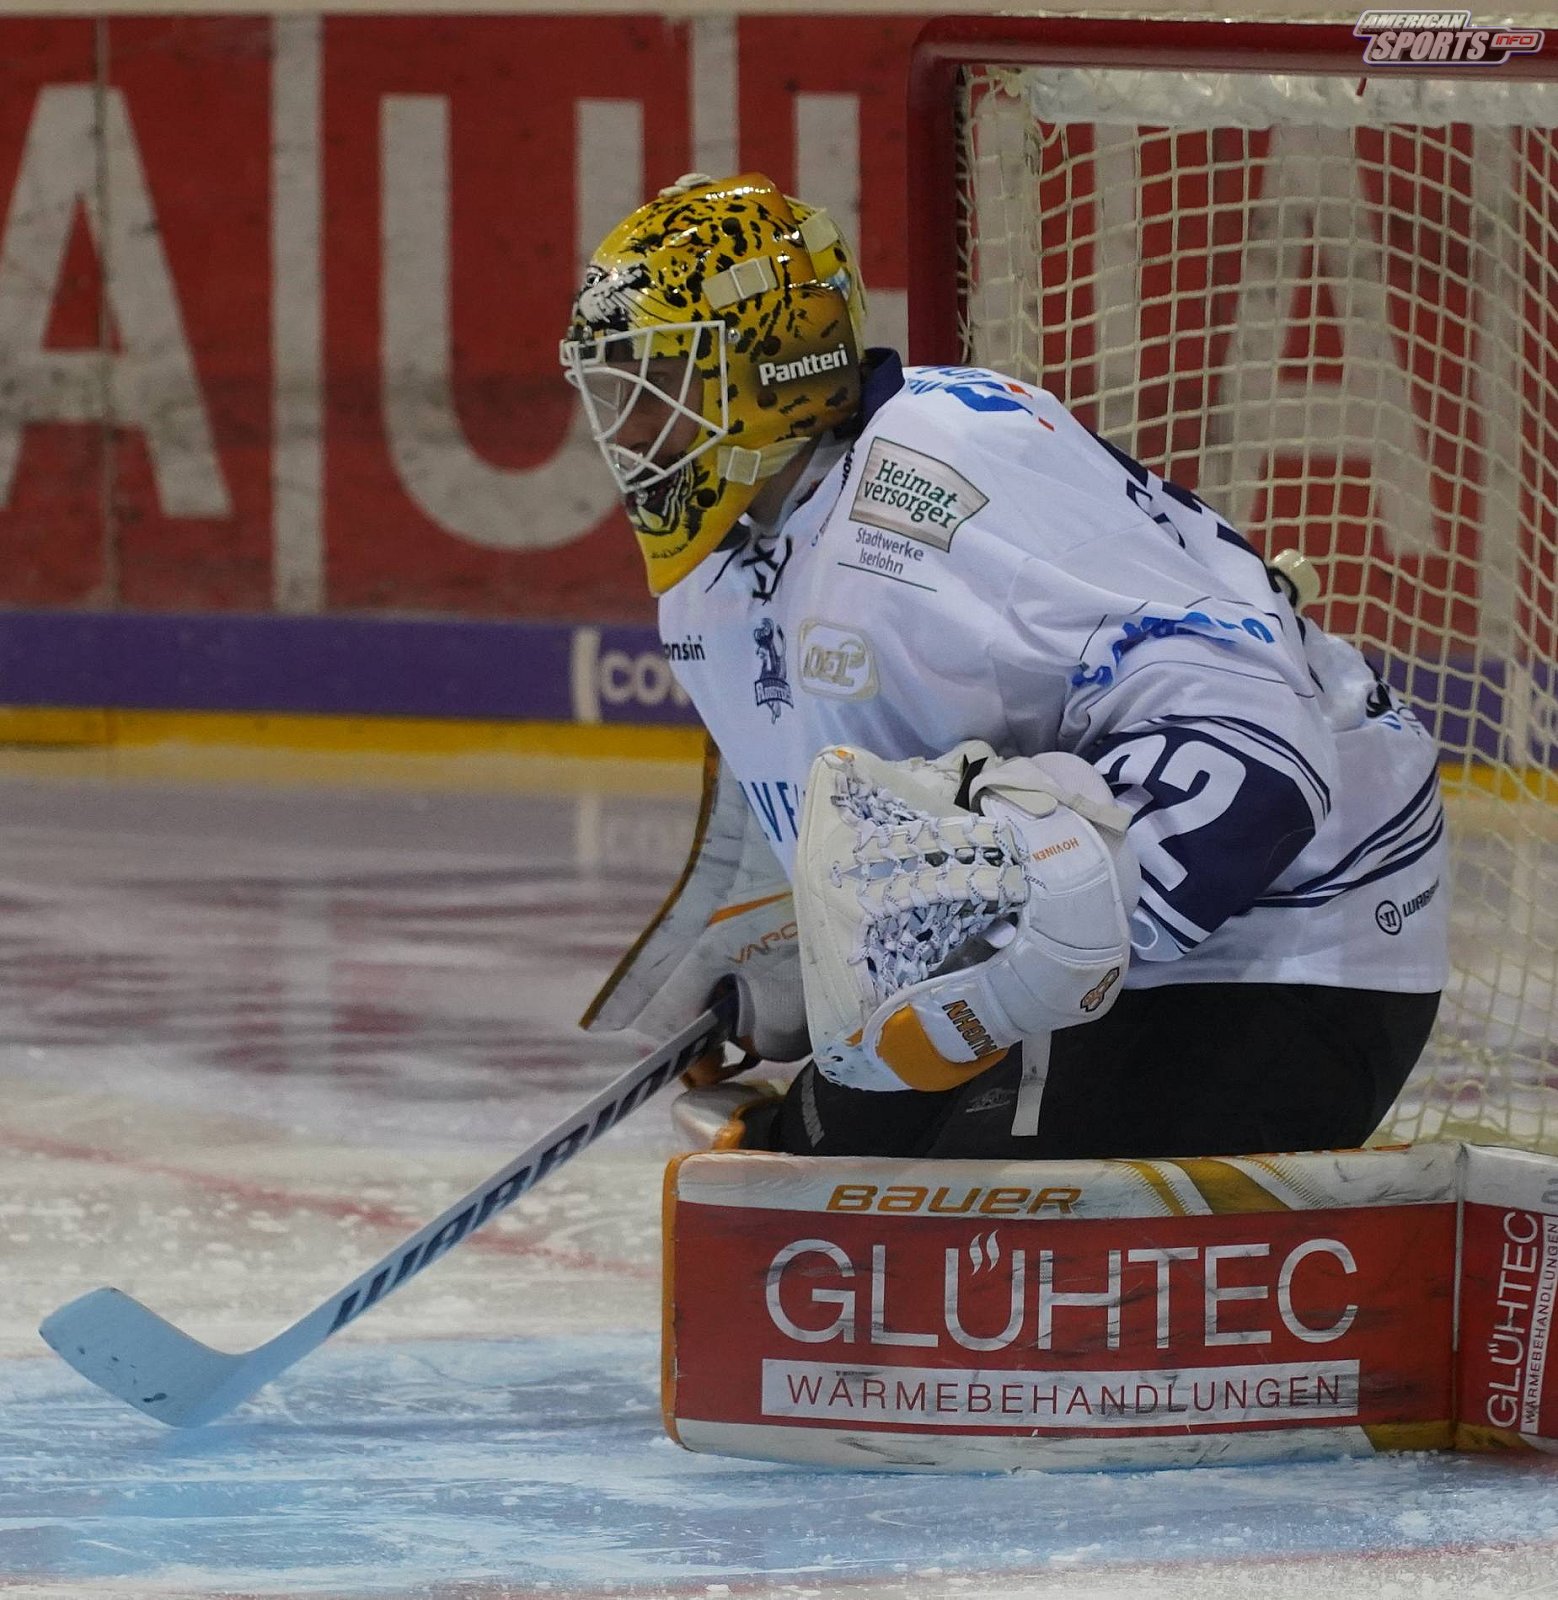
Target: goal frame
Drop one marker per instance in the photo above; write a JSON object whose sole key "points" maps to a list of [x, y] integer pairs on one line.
{"points": [[1490, 676], [937, 303]]}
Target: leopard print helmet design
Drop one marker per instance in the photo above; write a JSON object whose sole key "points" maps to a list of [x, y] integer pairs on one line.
{"points": [[734, 316]]}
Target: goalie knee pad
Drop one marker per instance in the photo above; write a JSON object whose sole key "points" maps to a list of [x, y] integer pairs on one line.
{"points": [[934, 938], [726, 1116]]}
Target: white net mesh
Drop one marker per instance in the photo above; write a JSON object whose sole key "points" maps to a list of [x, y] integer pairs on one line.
{"points": [[1329, 306]]}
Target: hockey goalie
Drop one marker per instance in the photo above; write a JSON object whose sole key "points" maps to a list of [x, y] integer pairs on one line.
{"points": [[1045, 825], [1076, 871]]}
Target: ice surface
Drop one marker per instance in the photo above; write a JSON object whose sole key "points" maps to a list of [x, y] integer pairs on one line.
{"points": [[391, 1468], [256, 1030]]}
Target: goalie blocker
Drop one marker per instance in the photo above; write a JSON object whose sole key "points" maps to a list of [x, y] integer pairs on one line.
{"points": [[1083, 1314]]}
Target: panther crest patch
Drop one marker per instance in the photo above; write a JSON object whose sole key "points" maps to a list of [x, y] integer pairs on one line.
{"points": [[773, 685]]}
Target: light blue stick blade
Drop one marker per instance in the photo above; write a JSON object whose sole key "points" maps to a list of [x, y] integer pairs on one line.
{"points": [[137, 1356], [114, 1341]]}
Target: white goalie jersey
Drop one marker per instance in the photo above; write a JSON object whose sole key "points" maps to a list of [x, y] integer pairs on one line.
{"points": [[976, 564]]}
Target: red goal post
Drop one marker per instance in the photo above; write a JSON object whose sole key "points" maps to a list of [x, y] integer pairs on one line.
{"points": [[1323, 294]]}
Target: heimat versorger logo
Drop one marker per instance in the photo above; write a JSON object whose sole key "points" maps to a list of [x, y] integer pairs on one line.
{"points": [[1402, 38]]}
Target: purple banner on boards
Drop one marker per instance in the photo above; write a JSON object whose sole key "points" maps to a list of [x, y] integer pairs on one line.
{"points": [[620, 674], [341, 666], [323, 665]]}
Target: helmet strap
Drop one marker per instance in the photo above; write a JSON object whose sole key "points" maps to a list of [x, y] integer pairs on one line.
{"points": [[736, 464], [818, 231], [725, 289]]}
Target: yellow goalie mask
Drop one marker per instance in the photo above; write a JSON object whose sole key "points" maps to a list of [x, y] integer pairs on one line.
{"points": [[718, 330]]}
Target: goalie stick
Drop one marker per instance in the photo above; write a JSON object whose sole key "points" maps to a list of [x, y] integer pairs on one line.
{"points": [[124, 1347]]}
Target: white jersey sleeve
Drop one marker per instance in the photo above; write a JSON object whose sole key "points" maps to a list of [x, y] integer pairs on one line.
{"points": [[1200, 709], [1222, 805]]}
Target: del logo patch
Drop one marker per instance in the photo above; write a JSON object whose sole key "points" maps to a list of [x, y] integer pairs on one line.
{"points": [[836, 662], [913, 494]]}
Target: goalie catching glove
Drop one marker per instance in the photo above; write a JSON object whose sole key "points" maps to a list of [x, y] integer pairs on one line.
{"points": [[949, 909]]}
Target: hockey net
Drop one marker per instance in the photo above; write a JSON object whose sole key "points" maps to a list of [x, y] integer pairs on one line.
{"points": [[1329, 304]]}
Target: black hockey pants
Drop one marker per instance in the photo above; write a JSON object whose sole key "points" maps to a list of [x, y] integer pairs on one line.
{"points": [[1192, 1069]]}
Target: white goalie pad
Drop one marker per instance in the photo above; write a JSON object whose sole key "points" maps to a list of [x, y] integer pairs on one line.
{"points": [[934, 937], [729, 916]]}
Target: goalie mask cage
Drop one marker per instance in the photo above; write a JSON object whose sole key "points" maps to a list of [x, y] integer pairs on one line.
{"points": [[1325, 297]]}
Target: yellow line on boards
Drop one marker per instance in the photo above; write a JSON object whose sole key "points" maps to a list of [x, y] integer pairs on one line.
{"points": [[50, 726], [64, 746], [1504, 783]]}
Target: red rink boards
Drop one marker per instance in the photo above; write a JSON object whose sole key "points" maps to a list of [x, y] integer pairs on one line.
{"points": [[981, 1315]]}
